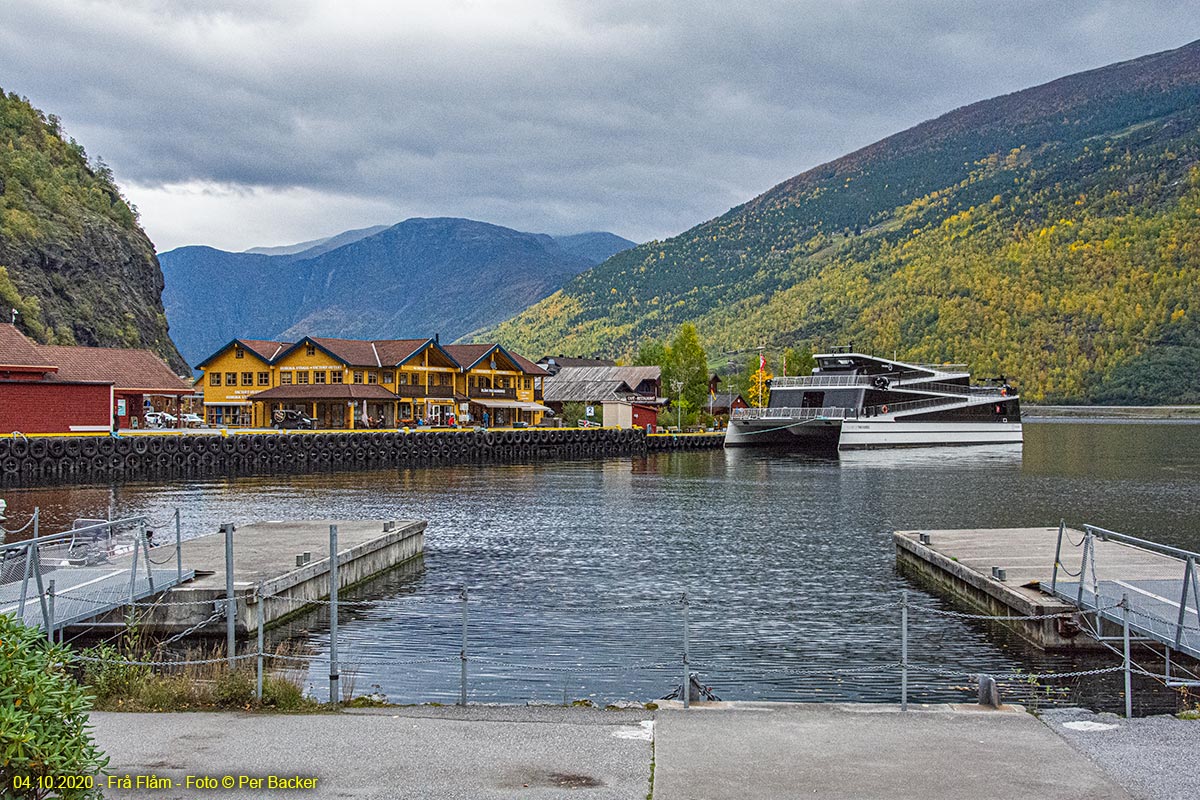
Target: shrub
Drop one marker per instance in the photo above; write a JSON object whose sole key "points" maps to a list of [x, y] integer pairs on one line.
{"points": [[43, 717]]}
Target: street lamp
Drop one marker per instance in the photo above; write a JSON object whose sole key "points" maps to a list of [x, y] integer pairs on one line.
{"points": [[677, 385]]}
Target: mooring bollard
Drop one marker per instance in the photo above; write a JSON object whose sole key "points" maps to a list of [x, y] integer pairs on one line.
{"points": [[462, 654], [687, 675], [333, 614], [1125, 636], [230, 602], [904, 650]]}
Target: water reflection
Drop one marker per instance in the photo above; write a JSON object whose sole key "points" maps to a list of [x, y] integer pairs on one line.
{"points": [[575, 568]]}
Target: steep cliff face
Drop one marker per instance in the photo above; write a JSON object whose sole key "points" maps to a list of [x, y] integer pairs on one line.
{"points": [[73, 261]]}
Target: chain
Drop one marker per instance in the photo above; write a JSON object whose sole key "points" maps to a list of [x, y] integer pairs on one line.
{"points": [[1156, 618], [218, 614], [1055, 615], [1016, 676], [131, 663]]}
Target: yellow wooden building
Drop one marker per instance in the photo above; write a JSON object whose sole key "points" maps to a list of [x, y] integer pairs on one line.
{"points": [[352, 383]]}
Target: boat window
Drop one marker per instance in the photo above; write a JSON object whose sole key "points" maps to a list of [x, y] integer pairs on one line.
{"points": [[813, 400]]}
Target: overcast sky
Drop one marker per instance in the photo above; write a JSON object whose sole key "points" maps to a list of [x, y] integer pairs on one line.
{"points": [[238, 124]]}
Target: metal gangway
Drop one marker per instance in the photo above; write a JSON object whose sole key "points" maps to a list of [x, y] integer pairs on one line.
{"points": [[1151, 588], [96, 567]]}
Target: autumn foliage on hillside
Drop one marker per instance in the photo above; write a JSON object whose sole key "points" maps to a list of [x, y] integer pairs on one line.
{"points": [[1052, 236]]}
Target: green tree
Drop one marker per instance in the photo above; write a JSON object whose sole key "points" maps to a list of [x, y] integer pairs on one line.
{"points": [[687, 362], [43, 717], [651, 354], [797, 362]]}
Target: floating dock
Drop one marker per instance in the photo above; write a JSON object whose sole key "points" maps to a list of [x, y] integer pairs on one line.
{"points": [[269, 562], [1037, 571]]}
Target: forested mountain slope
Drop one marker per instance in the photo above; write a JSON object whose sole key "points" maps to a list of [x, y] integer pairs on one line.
{"points": [[73, 260], [1052, 235]]}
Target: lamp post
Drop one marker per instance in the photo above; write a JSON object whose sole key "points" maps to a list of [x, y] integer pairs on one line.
{"points": [[677, 385]]}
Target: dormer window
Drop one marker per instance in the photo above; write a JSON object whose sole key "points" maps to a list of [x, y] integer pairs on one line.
{"points": [[239, 352], [311, 350]]}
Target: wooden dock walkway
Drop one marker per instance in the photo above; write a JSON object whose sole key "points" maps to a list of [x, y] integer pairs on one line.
{"points": [[959, 564], [265, 562]]}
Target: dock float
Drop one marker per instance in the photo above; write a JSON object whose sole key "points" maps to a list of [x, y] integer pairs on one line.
{"points": [[1035, 571], [269, 560]]}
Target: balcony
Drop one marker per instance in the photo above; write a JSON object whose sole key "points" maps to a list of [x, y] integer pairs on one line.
{"points": [[486, 393], [440, 391], [410, 390]]}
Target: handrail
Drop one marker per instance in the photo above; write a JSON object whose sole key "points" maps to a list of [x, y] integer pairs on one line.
{"points": [[782, 412], [1174, 552], [803, 381], [910, 405], [57, 537]]}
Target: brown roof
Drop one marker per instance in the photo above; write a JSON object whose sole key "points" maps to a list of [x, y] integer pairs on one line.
{"points": [[124, 368], [468, 354], [393, 351], [17, 351], [355, 352], [528, 366], [331, 391], [265, 348], [579, 361]]}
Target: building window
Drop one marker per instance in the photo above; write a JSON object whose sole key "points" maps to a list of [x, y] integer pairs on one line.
{"points": [[231, 379], [444, 379], [358, 377], [319, 376], [214, 379], [404, 379], [310, 350], [336, 376], [372, 377], [285, 379], [388, 377], [302, 377], [247, 379], [264, 379], [239, 352]]}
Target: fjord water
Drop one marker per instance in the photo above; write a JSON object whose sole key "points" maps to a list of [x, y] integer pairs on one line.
{"points": [[575, 569]]}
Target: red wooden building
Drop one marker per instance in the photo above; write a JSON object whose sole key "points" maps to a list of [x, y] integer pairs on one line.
{"points": [[58, 389]]}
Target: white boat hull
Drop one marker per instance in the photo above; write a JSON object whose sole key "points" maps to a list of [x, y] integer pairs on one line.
{"points": [[867, 434]]}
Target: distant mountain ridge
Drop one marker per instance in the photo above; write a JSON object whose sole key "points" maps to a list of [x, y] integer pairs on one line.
{"points": [[1052, 235], [413, 279]]}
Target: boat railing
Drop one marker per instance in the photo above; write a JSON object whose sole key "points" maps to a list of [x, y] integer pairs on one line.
{"points": [[910, 405], [783, 412], [808, 381], [958, 388]]}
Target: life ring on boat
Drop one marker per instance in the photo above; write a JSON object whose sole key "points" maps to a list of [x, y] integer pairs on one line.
{"points": [[1004, 419], [883, 410]]}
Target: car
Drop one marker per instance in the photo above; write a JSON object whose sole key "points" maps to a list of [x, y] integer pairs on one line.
{"points": [[192, 421], [290, 419], [160, 419]]}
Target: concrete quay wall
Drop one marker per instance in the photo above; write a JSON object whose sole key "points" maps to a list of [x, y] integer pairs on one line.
{"points": [[83, 458]]}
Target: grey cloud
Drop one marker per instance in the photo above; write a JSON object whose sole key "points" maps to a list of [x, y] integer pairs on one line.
{"points": [[639, 118]]}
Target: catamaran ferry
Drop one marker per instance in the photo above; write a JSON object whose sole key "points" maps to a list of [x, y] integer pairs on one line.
{"points": [[856, 401]]}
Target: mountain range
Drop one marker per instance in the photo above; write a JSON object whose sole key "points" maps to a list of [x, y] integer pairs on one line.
{"points": [[1051, 235], [413, 279]]}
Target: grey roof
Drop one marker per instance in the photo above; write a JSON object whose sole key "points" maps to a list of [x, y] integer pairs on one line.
{"points": [[583, 391], [594, 384]]}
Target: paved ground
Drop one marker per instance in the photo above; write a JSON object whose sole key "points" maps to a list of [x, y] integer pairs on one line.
{"points": [[403, 753], [771, 750], [744, 750], [1155, 758]]}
